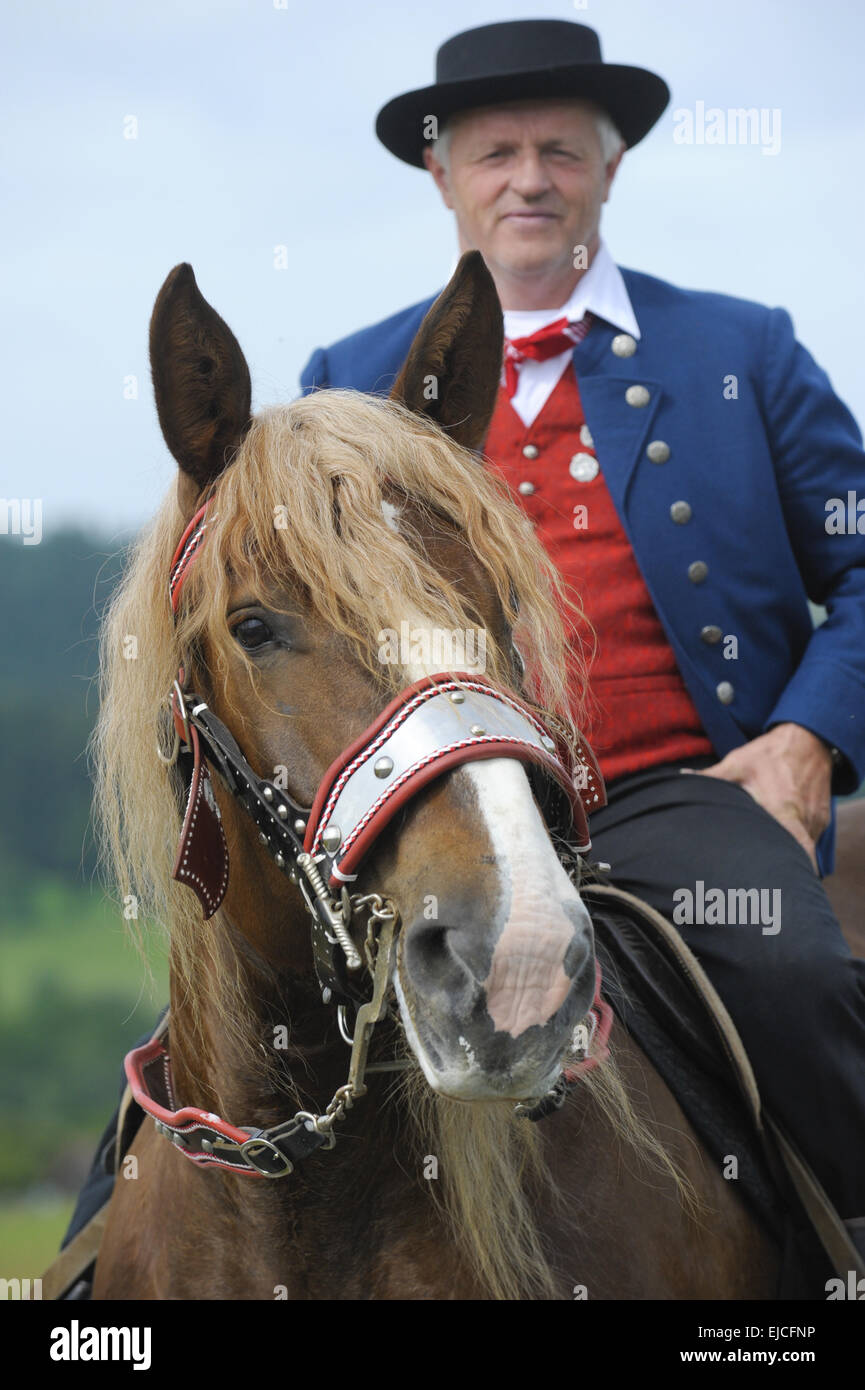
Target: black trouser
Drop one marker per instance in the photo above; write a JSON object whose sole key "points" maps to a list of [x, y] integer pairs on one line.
{"points": [[778, 961], [795, 994]]}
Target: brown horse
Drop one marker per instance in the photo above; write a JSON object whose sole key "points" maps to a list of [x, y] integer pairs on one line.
{"points": [[335, 520]]}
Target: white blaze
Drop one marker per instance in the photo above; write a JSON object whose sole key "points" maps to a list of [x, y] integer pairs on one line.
{"points": [[527, 982]]}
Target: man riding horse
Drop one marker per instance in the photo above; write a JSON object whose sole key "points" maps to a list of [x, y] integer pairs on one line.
{"points": [[677, 452]]}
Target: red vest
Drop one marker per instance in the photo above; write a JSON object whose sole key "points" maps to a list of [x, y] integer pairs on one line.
{"points": [[641, 710]]}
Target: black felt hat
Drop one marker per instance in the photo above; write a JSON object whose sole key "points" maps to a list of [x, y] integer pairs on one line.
{"points": [[517, 61]]}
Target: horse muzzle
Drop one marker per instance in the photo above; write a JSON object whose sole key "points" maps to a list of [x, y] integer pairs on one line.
{"points": [[491, 1014]]}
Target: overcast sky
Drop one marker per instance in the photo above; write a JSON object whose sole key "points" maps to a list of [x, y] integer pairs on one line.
{"points": [[255, 129]]}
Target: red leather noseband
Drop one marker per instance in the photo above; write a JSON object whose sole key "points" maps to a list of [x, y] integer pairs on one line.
{"points": [[434, 725]]}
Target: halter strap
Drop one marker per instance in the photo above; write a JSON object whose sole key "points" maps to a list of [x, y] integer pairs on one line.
{"points": [[187, 549]]}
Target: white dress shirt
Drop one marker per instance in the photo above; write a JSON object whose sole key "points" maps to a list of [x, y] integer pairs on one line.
{"points": [[601, 290]]}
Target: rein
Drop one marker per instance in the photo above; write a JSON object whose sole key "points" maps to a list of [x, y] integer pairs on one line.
{"points": [[439, 722]]}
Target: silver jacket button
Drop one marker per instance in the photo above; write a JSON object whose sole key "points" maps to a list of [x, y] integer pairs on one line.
{"points": [[583, 467], [637, 395], [586, 437], [658, 451], [530, 451], [711, 634], [527, 489], [624, 345], [698, 571], [725, 692], [680, 512]]}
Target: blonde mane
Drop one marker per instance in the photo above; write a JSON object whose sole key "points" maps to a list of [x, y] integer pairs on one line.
{"points": [[302, 498]]}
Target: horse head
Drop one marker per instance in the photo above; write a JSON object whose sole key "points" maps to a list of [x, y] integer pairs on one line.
{"points": [[341, 530]]}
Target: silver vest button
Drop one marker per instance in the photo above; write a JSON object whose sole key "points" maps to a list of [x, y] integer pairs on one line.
{"points": [[637, 395], [530, 451], [586, 437], [698, 571], [681, 513], [711, 634], [725, 692], [624, 345], [658, 451], [527, 489], [583, 467]]}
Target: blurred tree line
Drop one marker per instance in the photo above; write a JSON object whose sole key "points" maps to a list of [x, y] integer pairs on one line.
{"points": [[52, 595], [71, 1002]]}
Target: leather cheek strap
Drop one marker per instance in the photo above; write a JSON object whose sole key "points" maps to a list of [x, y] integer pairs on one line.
{"points": [[202, 855]]}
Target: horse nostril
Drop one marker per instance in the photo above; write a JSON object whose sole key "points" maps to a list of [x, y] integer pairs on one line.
{"points": [[578, 953], [426, 945], [442, 961]]}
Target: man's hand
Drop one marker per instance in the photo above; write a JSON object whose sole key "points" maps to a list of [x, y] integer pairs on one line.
{"points": [[789, 772]]}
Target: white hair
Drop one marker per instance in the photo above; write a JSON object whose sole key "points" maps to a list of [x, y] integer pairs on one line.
{"points": [[612, 141]]}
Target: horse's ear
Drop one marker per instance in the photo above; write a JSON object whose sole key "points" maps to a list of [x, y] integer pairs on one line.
{"points": [[454, 365], [201, 382]]}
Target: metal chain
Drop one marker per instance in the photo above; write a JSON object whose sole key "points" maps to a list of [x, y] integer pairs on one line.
{"points": [[382, 910]]}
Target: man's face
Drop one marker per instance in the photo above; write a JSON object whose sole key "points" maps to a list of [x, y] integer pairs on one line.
{"points": [[527, 183]]}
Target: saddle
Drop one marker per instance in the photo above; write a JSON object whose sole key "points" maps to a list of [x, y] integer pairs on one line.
{"points": [[661, 996]]}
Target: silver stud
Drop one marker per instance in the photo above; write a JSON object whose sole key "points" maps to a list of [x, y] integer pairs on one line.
{"points": [[279, 859], [530, 451], [711, 634], [586, 437], [262, 837], [698, 571], [637, 396], [299, 826], [681, 513], [282, 811], [478, 730], [527, 489], [332, 838], [658, 451], [207, 1146], [457, 697], [624, 345], [326, 995], [268, 793], [725, 692], [383, 767], [583, 467]]}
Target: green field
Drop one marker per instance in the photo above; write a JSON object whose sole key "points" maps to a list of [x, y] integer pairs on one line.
{"points": [[74, 996], [30, 1233]]}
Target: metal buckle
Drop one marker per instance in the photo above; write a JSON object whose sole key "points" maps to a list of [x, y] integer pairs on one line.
{"points": [[256, 1141], [181, 704]]}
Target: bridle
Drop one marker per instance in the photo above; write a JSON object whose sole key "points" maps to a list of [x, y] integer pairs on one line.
{"points": [[439, 722]]}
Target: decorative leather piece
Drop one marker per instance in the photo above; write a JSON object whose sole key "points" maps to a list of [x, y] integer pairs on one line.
{"points": [[424, 734], [202, 855]]}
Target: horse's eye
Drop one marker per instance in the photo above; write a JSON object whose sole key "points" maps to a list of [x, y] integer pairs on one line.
{"points": [[252, 633]]}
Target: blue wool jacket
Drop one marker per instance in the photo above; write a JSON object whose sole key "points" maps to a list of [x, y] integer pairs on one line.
{"points": [[759, 446]]}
